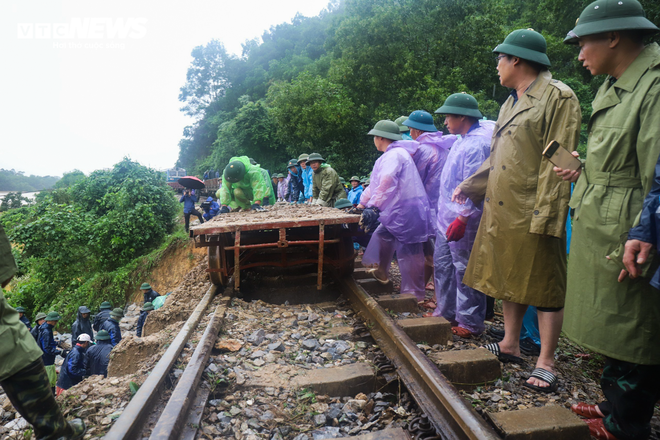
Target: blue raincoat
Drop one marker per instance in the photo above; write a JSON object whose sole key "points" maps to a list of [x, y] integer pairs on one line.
{"points": [[308, 182], [354, 194]]}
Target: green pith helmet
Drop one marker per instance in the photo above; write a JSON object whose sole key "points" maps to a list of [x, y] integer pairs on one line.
{"points": [[608, 16], [356, 178], [145, 286], [387, 129], [280, 176], [461, 104], [20, 309], [526, 44], [105, 305], [343, 204], [399, 122], [102, 335], [53, 316], [40, 315], [342, 180], [292, 163], [315, 156], [303, 157], [147, 306], [420, 120], [368, 181], [118, 313], [252, 161], [234, 171]]}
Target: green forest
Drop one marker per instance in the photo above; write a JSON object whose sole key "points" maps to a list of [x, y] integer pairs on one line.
{"points": [[12, 180], [320, 83]]}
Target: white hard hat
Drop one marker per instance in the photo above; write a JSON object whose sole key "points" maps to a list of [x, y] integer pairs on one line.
{"points": [[84, 338]]}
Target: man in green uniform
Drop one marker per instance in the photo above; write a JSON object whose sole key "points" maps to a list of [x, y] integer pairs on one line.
{"points": [[243, 186], [327, 188], [620, 320], [22, 373], [519, 254]]}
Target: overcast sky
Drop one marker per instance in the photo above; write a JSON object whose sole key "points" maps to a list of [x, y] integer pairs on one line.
{"points": [[87, 82]]}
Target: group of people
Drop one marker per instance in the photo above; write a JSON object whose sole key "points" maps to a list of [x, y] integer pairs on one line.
{"points": [[489, 211]]}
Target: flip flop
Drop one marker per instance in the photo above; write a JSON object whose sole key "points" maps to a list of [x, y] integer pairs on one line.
{"points": [[545, 376], [427, 315], [372, 272], [462, 332], [529, 348], [496, 333], [430, 286], [585, 410], [428, 304], [503, 357]]}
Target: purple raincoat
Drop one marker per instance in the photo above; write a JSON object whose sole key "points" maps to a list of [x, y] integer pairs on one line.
{"points": [[458, 303], [396, 189], [430, 159]]}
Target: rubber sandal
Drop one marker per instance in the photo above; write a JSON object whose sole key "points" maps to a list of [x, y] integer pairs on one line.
{"points": [[546, 376], [462, 332], [430, 286], [597, 430], [495, 333], [503, 357], [428, 304], [585, 410], [427, 315], [529, 348], [372, 272]]}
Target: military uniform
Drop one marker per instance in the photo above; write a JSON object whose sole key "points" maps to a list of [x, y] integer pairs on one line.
{"points": [[519, 254], [327, 188]]}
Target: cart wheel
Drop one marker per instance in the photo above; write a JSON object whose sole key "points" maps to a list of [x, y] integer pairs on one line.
{"points": [[215, 262]]}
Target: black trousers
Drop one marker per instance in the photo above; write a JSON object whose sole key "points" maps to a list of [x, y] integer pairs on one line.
{"points": [[186, 217], [632, 391]]}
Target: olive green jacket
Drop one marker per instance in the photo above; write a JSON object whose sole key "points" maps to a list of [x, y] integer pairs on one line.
{"points": [[326, 185], [17, 346], [619, 320], [251, 187], [519, 254]]}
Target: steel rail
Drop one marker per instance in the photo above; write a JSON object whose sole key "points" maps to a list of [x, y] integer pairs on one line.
{"points": [[136, 413], [447, 410], [172, 419]]}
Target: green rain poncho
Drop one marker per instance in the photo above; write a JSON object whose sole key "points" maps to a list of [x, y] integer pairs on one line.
{"points": [[252, 187]]}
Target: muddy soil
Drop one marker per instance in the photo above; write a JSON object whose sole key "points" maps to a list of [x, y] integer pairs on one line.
{"points": [[182, 301]]}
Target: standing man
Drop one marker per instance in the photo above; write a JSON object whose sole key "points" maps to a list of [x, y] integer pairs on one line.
{"points": [[307, 176], [24, 319], [397, 200], [146, 308], [98, 356], [296, 186], [38, 320], [49, 346], [149, 293], [82, 324], [327, 187], [22, 374], [519, 254], [112, 326], [73, 368], [457, 224], [243, 186], [189, 201], [102, 316], [405, 131], [356, 191], [620, 320]]}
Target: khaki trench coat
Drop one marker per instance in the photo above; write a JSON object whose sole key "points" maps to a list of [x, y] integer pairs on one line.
{"points": [[519, 254], [326, 186], [619, 320]]}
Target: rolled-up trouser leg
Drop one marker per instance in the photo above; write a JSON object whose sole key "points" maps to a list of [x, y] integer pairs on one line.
{"points": [[444, 280], [411, 264], [380, 250], [30, 392]]}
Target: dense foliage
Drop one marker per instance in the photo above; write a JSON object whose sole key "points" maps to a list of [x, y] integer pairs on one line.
{"points": [[12, 180], [319, 83], [76, 237]]}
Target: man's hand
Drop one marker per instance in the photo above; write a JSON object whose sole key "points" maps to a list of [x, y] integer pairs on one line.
{"points": [[456, 230], [459, 197], [256, 207], [635, 253], [569, 175], [224, 209]]}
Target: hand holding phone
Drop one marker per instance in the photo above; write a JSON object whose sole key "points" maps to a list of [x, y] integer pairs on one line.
{"points": [[560, 157]]}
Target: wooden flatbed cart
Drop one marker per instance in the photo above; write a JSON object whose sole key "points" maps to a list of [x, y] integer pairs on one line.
{"points": [[280, 237]]}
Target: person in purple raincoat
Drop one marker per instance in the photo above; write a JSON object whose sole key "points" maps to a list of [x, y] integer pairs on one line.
{"points": [[457, 224], [397, 199], [429, 158]]}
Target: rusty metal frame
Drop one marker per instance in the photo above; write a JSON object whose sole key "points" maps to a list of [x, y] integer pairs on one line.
{"points": [[449, 413]]}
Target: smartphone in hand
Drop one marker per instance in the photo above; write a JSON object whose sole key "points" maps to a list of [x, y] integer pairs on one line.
{"points": [[560, 157]]}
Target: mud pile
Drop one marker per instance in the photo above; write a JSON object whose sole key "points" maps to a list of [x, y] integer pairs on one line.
{"points": [[182, 301], [279, 213]]}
